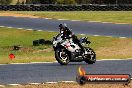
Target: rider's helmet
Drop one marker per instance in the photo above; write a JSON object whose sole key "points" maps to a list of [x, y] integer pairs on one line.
{"points": [[62, 27]]}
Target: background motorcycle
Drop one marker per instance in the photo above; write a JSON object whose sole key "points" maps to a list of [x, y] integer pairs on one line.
{"points": [[67, 51]]}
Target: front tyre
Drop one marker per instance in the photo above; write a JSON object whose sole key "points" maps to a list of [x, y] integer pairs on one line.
{"points": [[62, 56], [91, 57]]}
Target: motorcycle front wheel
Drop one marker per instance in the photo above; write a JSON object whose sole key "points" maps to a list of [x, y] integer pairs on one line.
{"points": [[62, 56], [91, 57]]}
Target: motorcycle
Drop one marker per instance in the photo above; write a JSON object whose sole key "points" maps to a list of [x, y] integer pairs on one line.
{"points": [[67, 51]]}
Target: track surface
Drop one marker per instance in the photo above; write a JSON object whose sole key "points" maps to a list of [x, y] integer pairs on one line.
{"points": [[29, 73], [93, 28]]}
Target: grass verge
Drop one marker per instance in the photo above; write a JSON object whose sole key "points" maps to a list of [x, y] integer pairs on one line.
{"points": [[104, 16], [105, 47]]}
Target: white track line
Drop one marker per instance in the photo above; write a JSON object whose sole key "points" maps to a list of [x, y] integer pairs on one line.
{"points": [[35, 63], [129, 58], [62, 19], [29, 29], [42, 62], [9, 27], [57, 62], [122, 37], [42, 83], [94, 21], [39, 30], [120, 23], [83, 34], [3, 64], [20, 28], [51, 82], [67, 81], [13, 84], [106, 22], [34, 83], [75, 20], [31, 63], [96, 35], [114, 59], [2, 86], [2, 26], [19, 63], [47, 18]]}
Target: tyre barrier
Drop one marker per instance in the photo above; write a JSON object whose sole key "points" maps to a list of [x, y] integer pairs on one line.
{"points": [[41, 42], [17, 47], [64, 8]]}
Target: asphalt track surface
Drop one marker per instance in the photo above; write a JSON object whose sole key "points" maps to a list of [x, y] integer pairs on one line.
{"points": [[52, 72], [79, 27]]}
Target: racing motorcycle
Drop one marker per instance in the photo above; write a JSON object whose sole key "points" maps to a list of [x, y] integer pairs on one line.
{"points": [[67, 51]]}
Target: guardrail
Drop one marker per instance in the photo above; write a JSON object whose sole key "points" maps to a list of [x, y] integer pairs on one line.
{"points": [[65, 7]]}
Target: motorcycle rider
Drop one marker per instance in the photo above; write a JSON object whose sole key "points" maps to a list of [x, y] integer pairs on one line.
{"points": [[67, 34], [65, 31]]}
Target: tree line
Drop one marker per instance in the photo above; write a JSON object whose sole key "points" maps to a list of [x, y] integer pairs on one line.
{"points": [[5, 2], [68, 1]]}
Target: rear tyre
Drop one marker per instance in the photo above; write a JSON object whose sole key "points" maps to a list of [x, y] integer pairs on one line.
{"points": [[91, 57], [62, 56]]}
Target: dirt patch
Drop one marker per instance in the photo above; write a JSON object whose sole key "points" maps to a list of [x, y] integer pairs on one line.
{"points": [[17, 15], [45, 50], [114, 51], [121, 48], [75, 85]]}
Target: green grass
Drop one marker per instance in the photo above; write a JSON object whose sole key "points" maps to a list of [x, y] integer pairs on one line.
{"points": [[11, 37], [105, 16], [105, 47], [14, 2]]}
